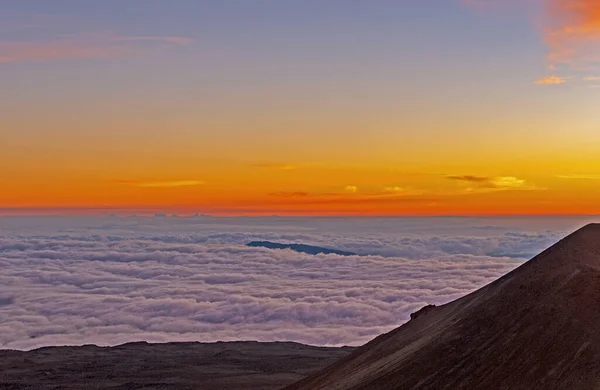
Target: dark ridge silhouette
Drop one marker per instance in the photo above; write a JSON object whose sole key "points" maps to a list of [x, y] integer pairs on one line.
{"points": [[232, 366], [537, 327], [302, 248]]}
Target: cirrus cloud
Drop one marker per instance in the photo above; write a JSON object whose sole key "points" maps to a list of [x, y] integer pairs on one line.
{"points": [[569, 28], [159, 184], [573, 31], [83, 46], [289, 194], [579, 176], [493, 183]]}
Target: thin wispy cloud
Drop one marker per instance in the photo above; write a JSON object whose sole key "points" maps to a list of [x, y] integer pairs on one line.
{"points": [[350, 202], [182, 183], [18, 22], [396, 192], [86, 46], [394, 189], [551, 80], [493, 183], [508, 182], [469, 178], [579, 177], [289, 194], [276, 166], [159, 184], [352, 195]]}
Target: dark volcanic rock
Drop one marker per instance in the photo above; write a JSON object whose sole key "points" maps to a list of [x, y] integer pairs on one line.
{"points": [[214, 366], [423, 310], [302, 248], [535, 328]]}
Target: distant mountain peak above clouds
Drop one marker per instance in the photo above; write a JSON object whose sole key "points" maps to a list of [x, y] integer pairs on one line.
{"points": [[302, 248]]}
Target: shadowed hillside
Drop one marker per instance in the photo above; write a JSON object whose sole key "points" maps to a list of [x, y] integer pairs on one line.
{"points": [[535, 328], [235, 365]]}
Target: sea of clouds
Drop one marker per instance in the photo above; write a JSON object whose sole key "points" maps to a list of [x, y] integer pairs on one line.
{"points": [[111, 280]]}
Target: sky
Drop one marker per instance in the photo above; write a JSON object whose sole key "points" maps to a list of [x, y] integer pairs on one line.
{"points": [[110, 280], [264, 107]]}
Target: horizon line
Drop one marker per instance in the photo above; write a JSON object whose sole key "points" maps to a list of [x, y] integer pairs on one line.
{"points": [[140, 213]]}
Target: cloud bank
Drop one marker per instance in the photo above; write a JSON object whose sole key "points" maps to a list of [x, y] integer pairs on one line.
{"points": [[113, 280]]}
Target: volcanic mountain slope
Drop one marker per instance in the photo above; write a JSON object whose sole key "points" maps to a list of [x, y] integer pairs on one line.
{"points": [[537, 327]]}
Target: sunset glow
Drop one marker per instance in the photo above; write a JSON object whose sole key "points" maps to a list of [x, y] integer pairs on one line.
{"points": [[291, 108]]}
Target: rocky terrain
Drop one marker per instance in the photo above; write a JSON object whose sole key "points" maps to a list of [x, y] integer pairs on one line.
{"points": [[214, 366], [535, 328]]}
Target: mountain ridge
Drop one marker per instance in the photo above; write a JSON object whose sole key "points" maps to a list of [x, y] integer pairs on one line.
{"points": [[533, 328], [301, 248], [232, 365]]}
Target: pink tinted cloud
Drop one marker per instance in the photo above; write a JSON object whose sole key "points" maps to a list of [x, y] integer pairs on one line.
{"points": [[572, 31], [82, 47], [551, 80], [569, 28]]}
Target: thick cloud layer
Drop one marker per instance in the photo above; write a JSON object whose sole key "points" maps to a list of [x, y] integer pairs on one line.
{"points": [[112, 280]]}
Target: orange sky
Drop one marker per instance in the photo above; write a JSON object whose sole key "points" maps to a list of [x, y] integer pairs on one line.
{"points": [[472, 107]]}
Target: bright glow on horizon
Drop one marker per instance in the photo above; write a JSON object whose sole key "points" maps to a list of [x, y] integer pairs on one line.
{"points": [[462, 107]]}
